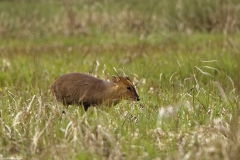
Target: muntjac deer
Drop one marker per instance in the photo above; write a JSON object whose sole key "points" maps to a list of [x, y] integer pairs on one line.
{"points": [[86, 90]]}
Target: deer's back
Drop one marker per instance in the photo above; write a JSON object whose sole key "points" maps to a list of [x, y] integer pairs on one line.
{"points": [[75, 88]]}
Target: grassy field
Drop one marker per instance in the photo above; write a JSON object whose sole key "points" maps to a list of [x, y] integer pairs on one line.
{"points": [[184, 58]]}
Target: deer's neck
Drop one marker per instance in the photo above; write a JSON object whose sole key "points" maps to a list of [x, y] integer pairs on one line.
{"points": [[110, 95]]}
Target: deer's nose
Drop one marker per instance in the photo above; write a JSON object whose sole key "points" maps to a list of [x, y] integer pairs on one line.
{"points": [[138, 99]]}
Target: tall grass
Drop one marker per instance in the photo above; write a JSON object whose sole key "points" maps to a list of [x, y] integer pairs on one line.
{"points": [[186, 108], [188, 81]]}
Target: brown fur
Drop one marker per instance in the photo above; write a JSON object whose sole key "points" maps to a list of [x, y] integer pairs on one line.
{"points": [[86, 90]]}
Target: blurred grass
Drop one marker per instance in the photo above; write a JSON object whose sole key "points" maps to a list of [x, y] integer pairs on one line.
{"points": [[46, 19], [185, 67]]}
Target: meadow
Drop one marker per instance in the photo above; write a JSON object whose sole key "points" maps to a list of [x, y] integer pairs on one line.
{"points": [[183, 57]]}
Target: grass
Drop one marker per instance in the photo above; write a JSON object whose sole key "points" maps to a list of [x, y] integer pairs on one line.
{"points": [[187, 79]]}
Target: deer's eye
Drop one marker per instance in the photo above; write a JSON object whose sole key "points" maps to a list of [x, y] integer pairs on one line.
{"points": [[129, 88]]}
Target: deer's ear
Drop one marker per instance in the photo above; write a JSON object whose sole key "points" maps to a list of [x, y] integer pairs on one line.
{"points": [[114, 79], [127, 78]]}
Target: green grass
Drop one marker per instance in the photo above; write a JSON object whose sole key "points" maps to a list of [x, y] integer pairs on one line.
{"points": [[188, 82]]}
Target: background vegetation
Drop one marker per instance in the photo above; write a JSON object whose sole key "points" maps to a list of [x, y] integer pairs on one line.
{"points": [[183, 57]]}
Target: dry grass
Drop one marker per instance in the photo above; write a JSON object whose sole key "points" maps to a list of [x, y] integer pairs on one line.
{"points": [[188, 82]]}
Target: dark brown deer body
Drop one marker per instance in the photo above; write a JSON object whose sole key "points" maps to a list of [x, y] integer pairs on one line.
{"points": [[86, 90]]}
